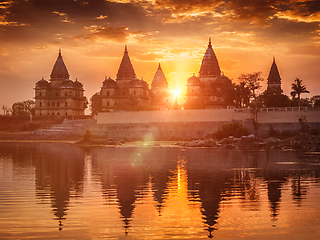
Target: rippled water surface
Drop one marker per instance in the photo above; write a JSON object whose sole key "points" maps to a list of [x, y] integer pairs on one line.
{"points": [[50, 191]]}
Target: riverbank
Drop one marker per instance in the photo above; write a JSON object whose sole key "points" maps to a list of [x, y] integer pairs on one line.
{"points": [[300, 142]]}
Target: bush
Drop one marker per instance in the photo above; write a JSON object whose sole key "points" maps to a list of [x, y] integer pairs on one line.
{"points": [[231, 129], [87, 136]]}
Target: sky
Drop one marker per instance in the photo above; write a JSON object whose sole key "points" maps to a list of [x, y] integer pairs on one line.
{"points": [[92, 34]]}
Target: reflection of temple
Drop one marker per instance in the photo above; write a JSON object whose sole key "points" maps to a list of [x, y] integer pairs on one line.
{"points": [[123, 176], [59, 170], [213, 177]]}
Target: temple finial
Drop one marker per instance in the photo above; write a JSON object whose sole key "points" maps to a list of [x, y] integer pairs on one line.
{"points": [[159, 68], [59, 52], [125, 49], [274, 59], [209, 46]]}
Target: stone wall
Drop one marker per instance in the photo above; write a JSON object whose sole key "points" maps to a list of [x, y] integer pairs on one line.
{"points": [[184, 124]]}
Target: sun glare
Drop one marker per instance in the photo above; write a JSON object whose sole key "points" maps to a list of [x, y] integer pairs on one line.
{"points": [[176, 92]]}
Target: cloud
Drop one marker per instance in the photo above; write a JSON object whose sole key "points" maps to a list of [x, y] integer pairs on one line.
{"points": [[119, 34]]}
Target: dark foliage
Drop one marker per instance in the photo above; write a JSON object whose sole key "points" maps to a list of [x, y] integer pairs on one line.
{"points": [[231, 129]]}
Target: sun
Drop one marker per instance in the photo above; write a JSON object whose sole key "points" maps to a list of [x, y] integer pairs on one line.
{"points": [[176, 93]]}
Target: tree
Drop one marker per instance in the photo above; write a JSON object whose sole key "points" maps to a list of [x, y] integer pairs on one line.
{"points": [[297, 88], [242, 95], [252, 81], [271, 98], [24, 108], [315, 100], [6, 110]]}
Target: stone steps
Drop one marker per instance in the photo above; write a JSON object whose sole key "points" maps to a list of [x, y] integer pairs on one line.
{"points": [[69, 127]]}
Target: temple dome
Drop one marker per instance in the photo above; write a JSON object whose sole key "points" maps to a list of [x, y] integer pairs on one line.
{"points": [[159, 80], [109, 83], [77, 85], [59, 70], [42, 84], [126, 71], [195, 81], [210, 66], [67, 83]]}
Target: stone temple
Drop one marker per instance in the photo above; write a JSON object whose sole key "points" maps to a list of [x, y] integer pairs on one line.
{"points": [[124, 92], [211, 88], [162, 97], [274, 79], [59, 96]]}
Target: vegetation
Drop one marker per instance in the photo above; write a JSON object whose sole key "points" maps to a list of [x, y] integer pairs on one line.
{"points": [[297, 89], [24, 108], [87, 136], [303, 123], [252, 82], [270, 98], [6, 110], [241, 95], [315, 100], [231, 129]]}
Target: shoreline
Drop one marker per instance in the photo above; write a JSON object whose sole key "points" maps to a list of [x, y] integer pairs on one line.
{"points": [[300, 142]]}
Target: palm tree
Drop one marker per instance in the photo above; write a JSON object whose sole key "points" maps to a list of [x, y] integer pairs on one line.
{"points": [[298, 88]]}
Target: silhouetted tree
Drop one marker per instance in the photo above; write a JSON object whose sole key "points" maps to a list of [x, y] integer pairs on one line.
{"points": [[252, 81], [315, 100], [6, 110], [24, 108], [272, 98], [242, 95], [297, 88]]}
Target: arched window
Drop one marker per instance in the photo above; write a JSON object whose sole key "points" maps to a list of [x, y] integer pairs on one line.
{"points": [[107, 93], [40, 104], [40, 94], [48, 104], [58, 104], [53, 104], [192, 90], [66, 104], [108, 103], [65, 93]]}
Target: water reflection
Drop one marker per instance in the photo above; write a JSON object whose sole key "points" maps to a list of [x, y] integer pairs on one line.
{"points": [[164, 192], [59, 176]]}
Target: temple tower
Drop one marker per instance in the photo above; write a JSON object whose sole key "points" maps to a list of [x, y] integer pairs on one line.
{"points": [[211, 88], [59, 96], [162, 97], [274, 80], [124, 93]]}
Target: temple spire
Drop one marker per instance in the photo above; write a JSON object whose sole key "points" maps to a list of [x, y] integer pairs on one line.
{"points": [[274, 79], [159, 80], [126, 71], [59, 70], [209, 46], [209, 66]]}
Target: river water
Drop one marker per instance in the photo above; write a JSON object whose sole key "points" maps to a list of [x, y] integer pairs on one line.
{"points": [[60, 191]]}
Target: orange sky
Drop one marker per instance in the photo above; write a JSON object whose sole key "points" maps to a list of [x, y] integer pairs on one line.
{"points": [[246, 35]]}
